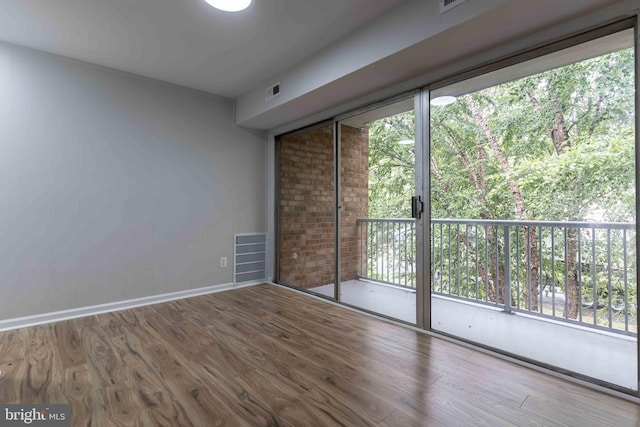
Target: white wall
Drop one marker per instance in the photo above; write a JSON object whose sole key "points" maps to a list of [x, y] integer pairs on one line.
{"points": [[114, 187]]}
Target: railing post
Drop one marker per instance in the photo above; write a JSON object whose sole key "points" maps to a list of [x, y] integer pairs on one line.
{"points": [[507, 270]]}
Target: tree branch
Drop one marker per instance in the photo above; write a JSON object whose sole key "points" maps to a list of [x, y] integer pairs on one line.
{"points": [[395, 156], [497, 151]]}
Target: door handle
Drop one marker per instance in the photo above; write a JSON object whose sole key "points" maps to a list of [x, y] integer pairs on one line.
{"points": [[417, 207]]}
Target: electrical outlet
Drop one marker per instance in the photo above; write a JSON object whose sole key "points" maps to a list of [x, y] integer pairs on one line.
{"points": [[223, 262]]}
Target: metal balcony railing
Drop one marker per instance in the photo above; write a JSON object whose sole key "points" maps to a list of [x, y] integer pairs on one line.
{"points": [[387, 251], [577, 272]]}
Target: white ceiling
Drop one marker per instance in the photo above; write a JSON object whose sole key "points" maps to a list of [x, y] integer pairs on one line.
{"points": [[187, 42]]}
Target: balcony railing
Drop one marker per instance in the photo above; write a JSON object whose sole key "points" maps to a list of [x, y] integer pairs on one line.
{"points": [[577, 272], [387, 252]]}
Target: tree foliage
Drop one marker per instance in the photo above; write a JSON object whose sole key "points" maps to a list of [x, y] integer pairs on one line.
{"points": [[567, 135], [391, 166], [591, 173]]}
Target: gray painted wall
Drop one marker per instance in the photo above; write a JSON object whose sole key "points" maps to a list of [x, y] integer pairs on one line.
{"points": [[409, 23], [115, 187]]}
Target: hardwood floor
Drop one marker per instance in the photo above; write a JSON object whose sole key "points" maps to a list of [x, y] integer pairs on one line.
{"points": [[264, 355]]}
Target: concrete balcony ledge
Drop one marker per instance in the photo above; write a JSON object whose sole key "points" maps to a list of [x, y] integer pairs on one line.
{"points": [[600, 354]]}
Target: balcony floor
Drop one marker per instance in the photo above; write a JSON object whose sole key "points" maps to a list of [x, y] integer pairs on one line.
{"points": [[599, 354]]}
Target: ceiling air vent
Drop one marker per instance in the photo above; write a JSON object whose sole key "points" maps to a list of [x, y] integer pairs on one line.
{"points": [[449, 4], [272, 91]]}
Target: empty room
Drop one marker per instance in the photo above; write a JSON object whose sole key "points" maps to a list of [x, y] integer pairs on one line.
{"points": [[319, 213]]}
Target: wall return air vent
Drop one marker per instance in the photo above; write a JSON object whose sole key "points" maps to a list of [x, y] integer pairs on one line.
{"points": [[249, 257], [449, 4]]}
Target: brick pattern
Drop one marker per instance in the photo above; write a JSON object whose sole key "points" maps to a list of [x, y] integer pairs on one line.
{"points": [[307, 204], [354, 176]]}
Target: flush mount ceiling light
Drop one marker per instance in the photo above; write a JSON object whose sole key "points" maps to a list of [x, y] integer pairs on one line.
{"points": [[443, 100], [230, 5]]}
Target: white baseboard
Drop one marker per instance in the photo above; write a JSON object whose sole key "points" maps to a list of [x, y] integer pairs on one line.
{"points": [[57, 316]]}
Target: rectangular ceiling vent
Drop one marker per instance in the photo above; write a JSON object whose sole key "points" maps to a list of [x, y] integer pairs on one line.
{"points": [[272, 91], [446, 5]]}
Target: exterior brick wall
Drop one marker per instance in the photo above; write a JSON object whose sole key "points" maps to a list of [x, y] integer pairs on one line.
{"points": [[307, 204], [354, 174]]}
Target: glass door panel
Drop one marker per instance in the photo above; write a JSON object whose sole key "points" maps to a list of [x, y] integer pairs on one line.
{"points": [[533, 245], [377, 233], [306, 210]]}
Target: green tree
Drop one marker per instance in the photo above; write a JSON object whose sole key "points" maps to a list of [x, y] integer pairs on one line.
{"points": [[558, 145], [391, 166], [555, 146]]}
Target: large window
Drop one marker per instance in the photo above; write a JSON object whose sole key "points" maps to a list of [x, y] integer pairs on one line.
{"points": [[497, 207], [533, 209]]}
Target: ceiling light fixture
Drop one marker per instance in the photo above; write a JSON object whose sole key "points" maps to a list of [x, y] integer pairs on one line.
{"points": [[230, 5], [443, 100], [406, 142]]}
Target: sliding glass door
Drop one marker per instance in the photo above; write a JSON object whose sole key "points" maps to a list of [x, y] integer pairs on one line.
{"points": [[526, 172], [369, 217], [533, 209], [377, 235]]}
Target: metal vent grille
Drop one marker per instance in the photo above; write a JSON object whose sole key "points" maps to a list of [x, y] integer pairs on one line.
{"points": [[449, 4], [249, 257], [272, 91]]}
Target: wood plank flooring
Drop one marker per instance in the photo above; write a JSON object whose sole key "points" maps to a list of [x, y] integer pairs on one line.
{"points": [[267, 356]]}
